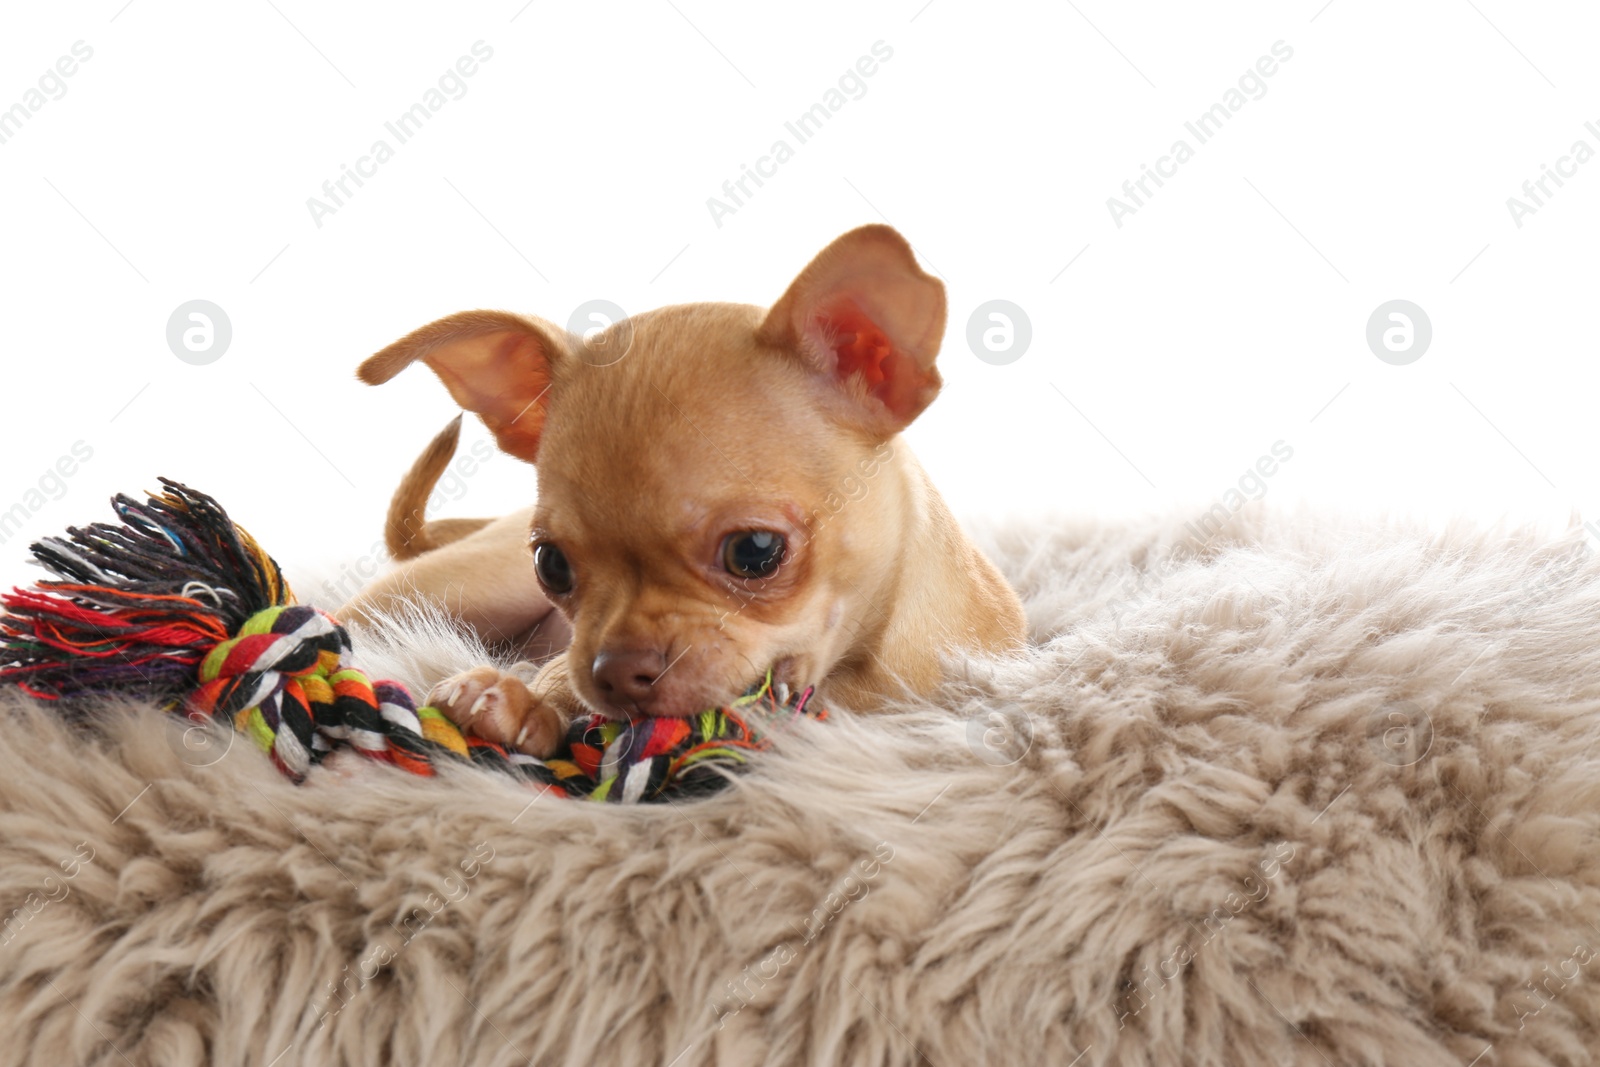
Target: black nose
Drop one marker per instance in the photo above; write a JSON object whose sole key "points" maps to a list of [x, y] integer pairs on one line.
{"points": [[627, 676]]}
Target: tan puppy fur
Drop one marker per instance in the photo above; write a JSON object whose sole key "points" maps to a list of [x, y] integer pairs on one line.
{"points": [[728, 493]]}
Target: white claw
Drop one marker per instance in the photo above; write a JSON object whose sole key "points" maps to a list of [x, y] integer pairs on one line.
{"points": [[522, 735], [781, 690], [477, 706], [452, 693]]}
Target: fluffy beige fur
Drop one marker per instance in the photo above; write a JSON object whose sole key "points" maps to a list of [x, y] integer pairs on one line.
{"points": [[1324, 794]]}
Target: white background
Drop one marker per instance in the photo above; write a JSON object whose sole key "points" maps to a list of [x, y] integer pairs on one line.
{"points": [[1228, 313]]}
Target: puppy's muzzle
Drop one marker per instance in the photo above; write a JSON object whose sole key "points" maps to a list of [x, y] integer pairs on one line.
{"points": [[626, 678]]}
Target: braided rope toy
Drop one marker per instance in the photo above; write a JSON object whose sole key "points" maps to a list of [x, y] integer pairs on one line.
{"points": [[179, 605]]}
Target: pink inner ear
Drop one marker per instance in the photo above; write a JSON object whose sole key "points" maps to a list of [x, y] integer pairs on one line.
{"points": [[503, 376], [862, 349]]}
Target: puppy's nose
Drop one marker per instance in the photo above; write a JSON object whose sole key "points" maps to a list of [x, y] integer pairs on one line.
{"points": [[627, 676]]}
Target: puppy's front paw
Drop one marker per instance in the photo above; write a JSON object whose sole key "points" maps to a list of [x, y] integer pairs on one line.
{"points": [[497, 706]]}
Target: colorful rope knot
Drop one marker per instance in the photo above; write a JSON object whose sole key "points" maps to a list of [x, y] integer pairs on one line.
{"points": [[286, 680], [653, 758], [179, 605]]}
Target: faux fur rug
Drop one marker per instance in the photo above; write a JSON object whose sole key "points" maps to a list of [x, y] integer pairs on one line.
{"points": [[1316, 794]]}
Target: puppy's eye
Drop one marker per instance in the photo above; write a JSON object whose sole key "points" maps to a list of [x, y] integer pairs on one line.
{"points": [[752, 553], [550, 564]]}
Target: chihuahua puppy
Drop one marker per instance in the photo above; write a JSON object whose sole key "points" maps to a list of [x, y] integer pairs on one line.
{"points": [[722, 492]]}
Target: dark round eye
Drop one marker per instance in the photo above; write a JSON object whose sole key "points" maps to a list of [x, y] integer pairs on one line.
{"points": [[550, 564], [752, 553]]}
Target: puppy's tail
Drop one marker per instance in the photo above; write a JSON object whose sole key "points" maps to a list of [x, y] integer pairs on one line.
{"points": [[407, 531]]}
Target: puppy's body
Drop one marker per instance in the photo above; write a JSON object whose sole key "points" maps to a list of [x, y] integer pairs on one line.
{"points": [[728, 495]]}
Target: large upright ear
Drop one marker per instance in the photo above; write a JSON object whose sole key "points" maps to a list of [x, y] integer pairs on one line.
{"points": [[494, 363], [864, 315]]}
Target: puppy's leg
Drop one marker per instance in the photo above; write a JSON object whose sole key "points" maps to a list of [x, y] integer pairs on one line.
{"points": [[526, 708], [486, 580]]}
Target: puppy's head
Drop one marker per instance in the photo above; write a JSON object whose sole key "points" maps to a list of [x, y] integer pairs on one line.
{"points": [[728, 496]]}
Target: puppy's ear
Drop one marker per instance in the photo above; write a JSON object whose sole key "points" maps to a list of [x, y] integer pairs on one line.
{"points": [[494, 363], [865, 316]]}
